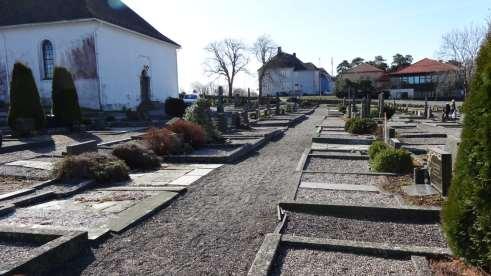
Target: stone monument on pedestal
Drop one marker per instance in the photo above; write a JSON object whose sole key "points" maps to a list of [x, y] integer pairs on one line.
{"points": [[220, 108]]}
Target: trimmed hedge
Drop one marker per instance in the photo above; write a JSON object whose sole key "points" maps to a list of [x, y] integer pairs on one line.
{"points": [[467, 212], [105, 169], [392, 160], [360, 126], [377, 147], [136, 156], [175, 107], [24, 98], [65, 99]]}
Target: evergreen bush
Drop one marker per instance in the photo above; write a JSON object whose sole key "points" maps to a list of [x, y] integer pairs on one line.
{"points": [[24, 98], [198, 113], [467, 212], [65, 99], [175, 107], [136, 156], [377, 147], [360, 126], [393, 161]]}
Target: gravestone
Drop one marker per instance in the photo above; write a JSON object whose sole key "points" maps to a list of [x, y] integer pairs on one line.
{"points": [[426, 108], [236, 100], [79, 148], [364, 108], [277, 110], [452, 146], [381, 105], [245, 118], [440, 169], [220, 108], [369, 104]]}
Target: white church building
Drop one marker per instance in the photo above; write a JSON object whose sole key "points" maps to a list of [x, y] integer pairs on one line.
{"points": [[117, 59]]}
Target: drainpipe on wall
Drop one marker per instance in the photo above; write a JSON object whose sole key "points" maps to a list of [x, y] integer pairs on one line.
{"points": [[99, 74], [6, 66]]}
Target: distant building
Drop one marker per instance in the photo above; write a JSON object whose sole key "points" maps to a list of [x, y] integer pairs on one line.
{"points": [[288, 75], [117, 59], [367, 72], [427, 78]]}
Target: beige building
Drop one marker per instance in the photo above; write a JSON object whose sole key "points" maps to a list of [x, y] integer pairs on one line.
{"points": [[365, 71]]}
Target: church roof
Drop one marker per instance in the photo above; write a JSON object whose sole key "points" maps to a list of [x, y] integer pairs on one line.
{"points": [[17, 12]]}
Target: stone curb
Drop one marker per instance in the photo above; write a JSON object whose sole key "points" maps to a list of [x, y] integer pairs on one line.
{"points": [[59, 247], [430, 215], [26, 146], [265, 256], [111, 143], [343, 157], [343, 141], [357, 173], [303, 160]]}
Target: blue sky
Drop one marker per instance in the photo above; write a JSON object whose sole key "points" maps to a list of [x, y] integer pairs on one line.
{"points": [[317, 30]]}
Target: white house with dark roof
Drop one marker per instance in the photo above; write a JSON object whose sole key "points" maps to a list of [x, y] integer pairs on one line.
{"points": [[286, 74], [118, 60]]}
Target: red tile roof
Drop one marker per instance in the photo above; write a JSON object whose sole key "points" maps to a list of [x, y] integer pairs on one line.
{"points": [[426, 65], [364, 68]]}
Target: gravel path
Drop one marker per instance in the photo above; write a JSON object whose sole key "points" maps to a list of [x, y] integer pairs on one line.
{"points": [[218, 226], [10, 184], [332, 178], [347, 198], [306, 261], [336, 165], [13, 252], [365, 230]]}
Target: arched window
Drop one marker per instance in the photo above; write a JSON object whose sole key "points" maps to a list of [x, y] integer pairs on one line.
{"points": [[48, 60]]}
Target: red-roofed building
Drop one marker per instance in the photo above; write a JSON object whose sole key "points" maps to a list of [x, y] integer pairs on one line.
{"points": [[365, 71], [427, 78]]}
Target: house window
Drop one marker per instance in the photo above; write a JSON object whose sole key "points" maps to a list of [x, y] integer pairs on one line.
{"points": [[48, 60]]}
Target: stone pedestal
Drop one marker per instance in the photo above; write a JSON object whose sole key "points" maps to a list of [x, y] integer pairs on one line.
{"points": [[440, 169]]}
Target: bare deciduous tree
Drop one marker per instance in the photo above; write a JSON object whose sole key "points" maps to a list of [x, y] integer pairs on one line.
{"points": [[462, 45], [200, 88], [228, 58], [264, 49]]}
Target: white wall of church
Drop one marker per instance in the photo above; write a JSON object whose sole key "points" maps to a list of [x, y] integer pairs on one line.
{"points": [[69, 39], [122, 57]]}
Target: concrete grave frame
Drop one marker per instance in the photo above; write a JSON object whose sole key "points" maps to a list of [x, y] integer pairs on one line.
{"points": [[57, 248]]}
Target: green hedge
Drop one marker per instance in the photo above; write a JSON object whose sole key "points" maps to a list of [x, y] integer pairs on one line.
{"points": [[24, 98], [65, 99], [360, 126], [467, 212], [392, 160], [377, 147]]}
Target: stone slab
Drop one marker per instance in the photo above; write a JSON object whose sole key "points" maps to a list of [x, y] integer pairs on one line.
{"points": [[324, 146], [33, 164], [17, 193], [155, 188], [185, 180], [339, 187], [419, 190], [200, 172]]}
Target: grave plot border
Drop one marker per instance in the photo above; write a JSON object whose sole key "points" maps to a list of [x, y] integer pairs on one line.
{"points": [[26, 146], [349, 140], [59, 247], [240, 152]]}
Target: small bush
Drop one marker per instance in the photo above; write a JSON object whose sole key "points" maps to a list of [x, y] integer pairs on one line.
{"points": [[65, 99], [360, 126], [342, 108], [392, 160], [24, 98], [175, 107], [136, 156], [100, 167], [190, 132], [199, 113], [376, 148], [163, 141]]}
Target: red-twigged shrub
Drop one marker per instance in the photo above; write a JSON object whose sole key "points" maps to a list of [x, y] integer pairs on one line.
{"points": [[163, 141], [190, 132]]}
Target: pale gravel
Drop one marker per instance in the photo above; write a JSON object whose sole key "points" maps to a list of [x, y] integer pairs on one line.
{"points": [[11, 252], [332, 178], [336, 165], [307, 261], [355, 198], [394, 233]]}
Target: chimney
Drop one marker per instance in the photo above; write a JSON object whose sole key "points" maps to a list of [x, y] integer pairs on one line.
{"points": [[279, 50], [295, 54]]}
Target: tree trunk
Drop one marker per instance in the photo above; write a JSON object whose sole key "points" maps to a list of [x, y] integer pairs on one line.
{"points": [[230, 87]]}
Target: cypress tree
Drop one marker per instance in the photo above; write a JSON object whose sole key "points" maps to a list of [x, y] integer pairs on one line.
{"points": [[65, 99], [24, 98], [467, 212]]}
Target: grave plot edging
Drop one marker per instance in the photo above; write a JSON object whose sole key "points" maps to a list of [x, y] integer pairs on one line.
{"points": [[264, 259], [26, 146]]}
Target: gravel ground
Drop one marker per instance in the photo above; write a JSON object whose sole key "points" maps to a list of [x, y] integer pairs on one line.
{"points": [[347, 198], [24, 172], [336, 165], [331, 178], [365, 230], [10, 184], [306, 261], [13, 252], [217, 227], [424, 141]]}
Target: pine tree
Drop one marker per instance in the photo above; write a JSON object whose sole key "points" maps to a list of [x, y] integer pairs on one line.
{"points": [[65, 99], [24, 98], [467, 212]]}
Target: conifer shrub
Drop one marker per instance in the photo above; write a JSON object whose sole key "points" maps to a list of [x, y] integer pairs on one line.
{"points": [[103, 168], [65, 99], [467, 212], [360, 126], [25, 103], [377, 147], [392, 160], [175, 107], [191, 133], [199, 113], [164, 142], [136, 156]]}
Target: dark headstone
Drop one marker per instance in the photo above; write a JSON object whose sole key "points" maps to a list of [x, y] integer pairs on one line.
{"points": [[277, 111], [440, 169], [419, 176], [220, 108], [79, 148], [236, 100]]}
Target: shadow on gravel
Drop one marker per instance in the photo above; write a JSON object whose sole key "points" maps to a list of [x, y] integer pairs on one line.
{"points": [[76, 266]]}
